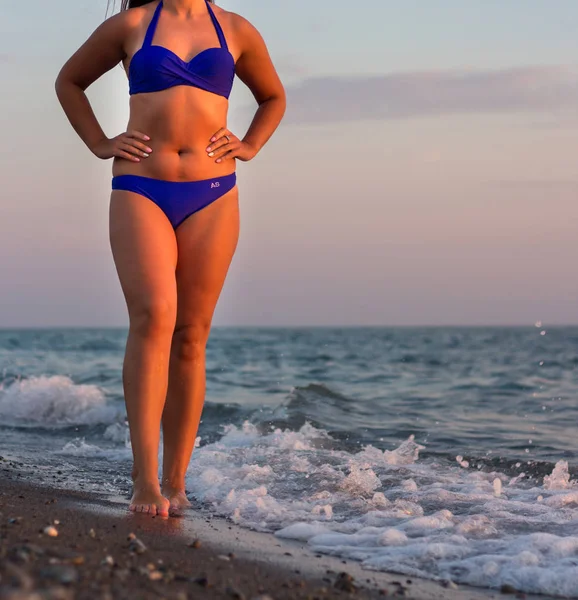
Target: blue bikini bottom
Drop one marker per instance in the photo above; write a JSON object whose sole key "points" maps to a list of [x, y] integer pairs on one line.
{"points": [[177, 199]]}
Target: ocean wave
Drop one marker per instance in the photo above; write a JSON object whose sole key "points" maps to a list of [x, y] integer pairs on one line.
{"points": [[54, 401], [317, 404], [392, 510], [264, 479], [80, 448]]}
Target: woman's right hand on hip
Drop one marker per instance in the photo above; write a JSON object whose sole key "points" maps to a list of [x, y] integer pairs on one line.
{"points": [[129, 145]]}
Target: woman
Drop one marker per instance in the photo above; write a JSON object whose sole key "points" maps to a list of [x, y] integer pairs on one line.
{"points": [[174, 219]]}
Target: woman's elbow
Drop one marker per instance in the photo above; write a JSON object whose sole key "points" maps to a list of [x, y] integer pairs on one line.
{"points": [[66, 81], [280, 92], [282, 100], [58, 84], [61, 83], [278, 97]]}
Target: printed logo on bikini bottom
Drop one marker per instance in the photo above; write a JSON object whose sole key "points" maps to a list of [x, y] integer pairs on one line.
{"points": [[215, 184]]}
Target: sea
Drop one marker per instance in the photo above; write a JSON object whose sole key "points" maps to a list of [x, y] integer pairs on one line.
{"points": [[447, 453]]}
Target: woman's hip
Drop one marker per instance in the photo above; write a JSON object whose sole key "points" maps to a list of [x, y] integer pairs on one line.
{"points": [[177, 199]]}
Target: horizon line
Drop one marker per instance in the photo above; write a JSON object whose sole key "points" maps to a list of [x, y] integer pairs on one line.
{"points": [[304, 326]]}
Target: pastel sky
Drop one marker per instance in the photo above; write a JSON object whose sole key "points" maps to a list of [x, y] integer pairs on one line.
{"points": [[425, 173]]}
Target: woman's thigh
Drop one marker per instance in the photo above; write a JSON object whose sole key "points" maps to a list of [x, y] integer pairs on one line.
{"points": [[206, 243], [145, 254]]}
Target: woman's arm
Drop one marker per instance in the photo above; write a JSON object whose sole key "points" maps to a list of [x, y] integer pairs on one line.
{"points": [[103, 50], [255, 69]]}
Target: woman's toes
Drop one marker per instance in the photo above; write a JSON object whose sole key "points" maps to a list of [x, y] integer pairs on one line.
{"points": [[162, 507], [149, 501]]}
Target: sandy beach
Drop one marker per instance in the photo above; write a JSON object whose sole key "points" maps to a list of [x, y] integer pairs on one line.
{"points": [[62, 545]]}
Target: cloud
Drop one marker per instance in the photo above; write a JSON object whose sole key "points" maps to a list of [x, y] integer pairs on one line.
{"points": [[416, 94], [290, 65]]}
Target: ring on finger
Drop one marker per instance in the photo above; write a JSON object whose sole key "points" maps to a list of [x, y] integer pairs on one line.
{"points": [[228, 138]]}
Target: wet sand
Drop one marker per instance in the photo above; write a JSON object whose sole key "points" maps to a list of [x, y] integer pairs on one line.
{"points": [[62, 545]]}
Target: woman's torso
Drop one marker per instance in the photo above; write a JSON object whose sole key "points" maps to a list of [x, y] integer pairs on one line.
{"points": [[179, 120]]}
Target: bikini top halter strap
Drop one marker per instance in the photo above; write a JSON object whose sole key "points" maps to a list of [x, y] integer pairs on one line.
{"points": [[154, 21], [218, 29], [153, 26]]}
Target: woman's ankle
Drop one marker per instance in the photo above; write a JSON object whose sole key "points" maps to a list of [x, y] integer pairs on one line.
{"points": [[145, 480], [173, 483]]}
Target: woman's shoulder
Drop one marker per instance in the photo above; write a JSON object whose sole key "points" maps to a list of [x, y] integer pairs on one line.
{"points": [[237, 23], [132, 18]]}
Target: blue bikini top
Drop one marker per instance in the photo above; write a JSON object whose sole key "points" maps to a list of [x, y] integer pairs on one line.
{"points": [[155, 68]]}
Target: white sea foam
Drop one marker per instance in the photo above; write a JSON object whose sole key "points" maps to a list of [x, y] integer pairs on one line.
{"points": [[118, 433], [392, 511], [79, 447], [54, 401], [560, 478]]}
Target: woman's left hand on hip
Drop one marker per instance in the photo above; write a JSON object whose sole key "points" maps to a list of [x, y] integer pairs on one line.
{"points": [[225, 145]]}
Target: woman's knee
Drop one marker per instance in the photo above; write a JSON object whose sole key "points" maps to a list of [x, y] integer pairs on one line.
{"points": [[153, 317], [190, 341]]}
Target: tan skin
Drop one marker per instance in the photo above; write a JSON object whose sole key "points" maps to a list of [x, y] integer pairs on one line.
{"points": [[171, 279]]}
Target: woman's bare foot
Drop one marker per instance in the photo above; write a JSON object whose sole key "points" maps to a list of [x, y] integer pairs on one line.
{"points": [[176, 497], [147, 498]]}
